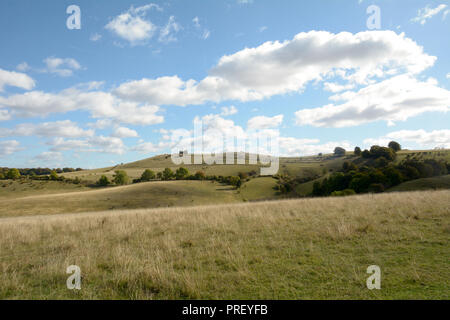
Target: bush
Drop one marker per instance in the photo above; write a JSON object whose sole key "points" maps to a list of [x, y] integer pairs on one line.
{"points": [[167, 174], [103, 181], [53, 175], [377, 152], [120, 177], [338, 151], [394, 146], [200, 175], [181, 173], [147, 175], [13, 174], [343, 193], [357, 151], [376, 188]]}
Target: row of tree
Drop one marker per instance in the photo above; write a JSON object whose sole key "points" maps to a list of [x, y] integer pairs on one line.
{"points": [[120, 177]]}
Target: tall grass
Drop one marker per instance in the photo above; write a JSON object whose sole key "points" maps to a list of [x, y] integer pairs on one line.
{"points": [[292, 249]]}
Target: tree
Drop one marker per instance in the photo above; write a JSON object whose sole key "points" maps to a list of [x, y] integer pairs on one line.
{"points": [[167, 174], [377, 152], [181, 173], [395, 146], [120, 177], [235, 181], [199, 175], [148, 175], [13, 174], [357, 151], [53, 175], [338, 151], [103, 181]]}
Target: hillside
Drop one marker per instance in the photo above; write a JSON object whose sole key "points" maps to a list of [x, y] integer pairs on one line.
{"points": [[291, 249]]}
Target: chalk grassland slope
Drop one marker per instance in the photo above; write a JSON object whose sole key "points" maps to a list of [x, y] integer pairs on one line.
{"points": [[304, 166], [142, 195], [434, 183], [290, 249]]}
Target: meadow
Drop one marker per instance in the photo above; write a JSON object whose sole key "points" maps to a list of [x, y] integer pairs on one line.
{"points": [[200, 239], [288, 249]]}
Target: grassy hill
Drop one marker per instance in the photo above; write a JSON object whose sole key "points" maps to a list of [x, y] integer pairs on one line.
{"points": [[143, 195], [434, 183], [292, 249]]}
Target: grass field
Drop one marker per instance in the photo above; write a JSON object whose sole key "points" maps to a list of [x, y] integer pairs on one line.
{"points": [[142, 195], [290, 249]]}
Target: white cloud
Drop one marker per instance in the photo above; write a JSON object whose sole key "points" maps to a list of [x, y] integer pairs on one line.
{"points": [[107, 145], [263, 28], [422, 138], [4, 115], [8, 147], [306, 147], [205, 33], [167, 33], [263, 122], [448, 75], [281, 67], [395, 99], [63, 67], [99, 104], [15, 79], [228, 111], [61, 144], [427, 13], [335, 87], [23, 67], [65, 128], [50, 158], [95, 37], [132, 25], [123, 132]]}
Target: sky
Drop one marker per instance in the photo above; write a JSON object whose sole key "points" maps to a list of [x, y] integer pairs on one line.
{"points": [[95, 83]]}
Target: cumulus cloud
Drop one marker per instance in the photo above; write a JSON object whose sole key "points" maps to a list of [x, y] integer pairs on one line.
{"points": [[132, 24], [8, 147], [123, 132], [335, 87], [23, 67], [395, 99], [65, 128], [427, 13], [275, 68], [290, 146], [15, 79], [263, 122], [100, 104], [228, 111], [422, 138], [63, 67]]}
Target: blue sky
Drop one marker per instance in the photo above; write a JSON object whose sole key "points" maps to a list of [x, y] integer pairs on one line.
{"points": [[136, 72]]}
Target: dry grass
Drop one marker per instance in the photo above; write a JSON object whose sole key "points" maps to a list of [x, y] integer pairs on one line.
{"points": [[291, 249]]}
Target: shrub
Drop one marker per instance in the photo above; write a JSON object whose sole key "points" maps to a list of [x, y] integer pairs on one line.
{"points": [[181, 173], [167, 174], [53, 175], [339, 151], [200, 175], [243, 175], [147, 175], [357, 151], [343, 193], [120, 177], [376, 188], [394, 146], [13, 174], [103, 181]]}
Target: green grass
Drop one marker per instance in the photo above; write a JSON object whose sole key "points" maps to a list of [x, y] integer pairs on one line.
{"points": [[434, 183], [290, 249], [142, 195], [259, 189], [24, 187]]}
